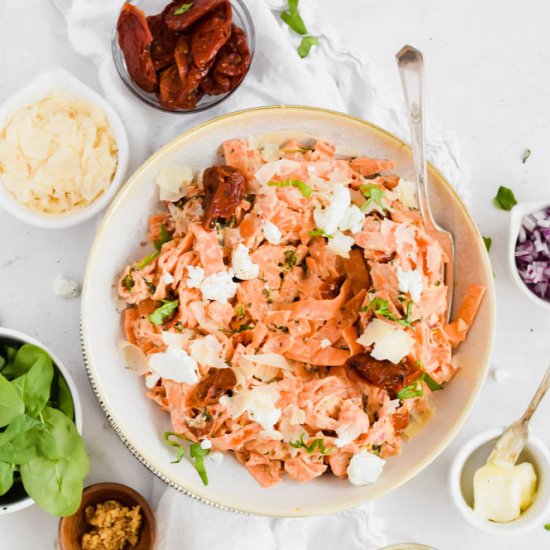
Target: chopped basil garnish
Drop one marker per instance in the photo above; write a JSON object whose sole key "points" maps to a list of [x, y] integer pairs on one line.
{"points": [[163, 312], [373, 195], [180, 10], [293, 18], [147, 260], [240, 311], [306, 44], [165, 236], [290, 260], [526, 155], [128, 283], [319, 233], [316, 444], [181, 449], [282, 328], [381, 307], [505, 198], [197, 454], [416, 389], [488, 242], [304, 188]]}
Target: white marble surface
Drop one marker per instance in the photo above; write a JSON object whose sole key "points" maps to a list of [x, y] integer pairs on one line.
{"points": [[488, 82]]}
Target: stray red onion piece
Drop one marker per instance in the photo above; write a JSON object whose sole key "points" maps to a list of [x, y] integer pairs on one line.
{"points": [[533, 252]]}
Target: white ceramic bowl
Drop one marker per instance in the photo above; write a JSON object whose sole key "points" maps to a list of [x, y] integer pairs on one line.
{"points": [[516, 216], [17, 337], [140, 423], [472, 456], [36, 89]]}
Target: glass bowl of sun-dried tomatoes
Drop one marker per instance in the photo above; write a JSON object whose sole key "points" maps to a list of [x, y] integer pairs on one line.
{"points": [[185, 56]]}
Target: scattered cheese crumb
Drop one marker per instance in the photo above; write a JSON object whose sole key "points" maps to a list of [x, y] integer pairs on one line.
{"points": [[411, 282], [329, 217], [219, 287], [195, 276], [500, 375], [215, 458], [325, 343], [341, 244], [65, 288], [243, 267], [272, 233], [206, 444], [167, 277], [365, 468]]}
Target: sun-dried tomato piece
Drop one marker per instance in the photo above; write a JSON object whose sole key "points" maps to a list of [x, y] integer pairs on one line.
{"points": [[172, 95], [224, 188], [177, 18], [164, 42], [209, 35], [233, 60], [209, 390], [400, 419], [212, 87], [135, 38], [383, 374], [182, 57]]}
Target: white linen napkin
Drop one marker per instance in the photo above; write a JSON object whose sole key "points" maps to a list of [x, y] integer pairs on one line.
{"points": [[331, 77]]}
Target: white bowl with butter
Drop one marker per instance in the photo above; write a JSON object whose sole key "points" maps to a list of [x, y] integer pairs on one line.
{"points": [[473, 456], [63, 151]]}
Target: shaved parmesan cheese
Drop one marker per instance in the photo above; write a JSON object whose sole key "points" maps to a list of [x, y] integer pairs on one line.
{"points": [[258, 403], [341, 244], [151, 380], [206, 351], [411, 282], [269, 359], [329, 217], [174, 364], [175, 338], [219, 287], [57, 154], [280, 167], [406, 192], [272, 233], [172, 181], [390, 342], [365, 468], [352, 219], [134, 358], [195, 276], [243, 267]]}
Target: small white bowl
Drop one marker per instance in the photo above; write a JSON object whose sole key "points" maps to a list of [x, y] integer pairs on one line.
{"points": [[17, 337], [37, 89], [472, 456], [516, 216]]}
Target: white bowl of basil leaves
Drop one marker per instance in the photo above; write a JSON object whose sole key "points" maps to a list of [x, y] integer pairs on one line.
{"points": [[42, 454]]}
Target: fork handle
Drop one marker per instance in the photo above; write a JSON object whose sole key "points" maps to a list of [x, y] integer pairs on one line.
{"points": [[537, 398], [411, 65]]}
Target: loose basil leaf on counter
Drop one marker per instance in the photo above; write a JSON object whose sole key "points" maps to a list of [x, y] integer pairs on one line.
{"points": [[6, 477], [181, 449], [180, 10], [488, 242], [197, 454], [11, 405], [547, 526], [525, 156], [505, 198], [163, 312], [304, 188], [293, 18], [306, 44], [34, 386]]}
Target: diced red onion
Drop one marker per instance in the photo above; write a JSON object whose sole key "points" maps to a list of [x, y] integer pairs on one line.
{"points": [[533, 252]]}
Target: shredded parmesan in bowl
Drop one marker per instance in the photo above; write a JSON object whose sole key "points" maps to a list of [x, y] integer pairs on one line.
{"points": [[58, 154]]}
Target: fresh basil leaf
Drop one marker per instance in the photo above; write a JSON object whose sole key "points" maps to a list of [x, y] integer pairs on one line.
{"points": [[181, 449], [24, 439], [381, 307], [374, 196], [147, 260], [525, 156], [306, 44], [54, 484], [180, 10], [34, 386], [488, 242], [24, 359], [128, 282], [505, 198], [11, 405], [2, 362], [65, 401], [6, 477], [319, 233], [412, 390], [431, 383], [165, 236], [310, 449], [163, 312], [304, 188], [239, 310], [69, 443], [547, 526], [197, 454], [293, 18]]}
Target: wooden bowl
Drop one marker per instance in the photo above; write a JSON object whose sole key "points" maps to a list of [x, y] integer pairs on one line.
{"points": [[71, 528]]}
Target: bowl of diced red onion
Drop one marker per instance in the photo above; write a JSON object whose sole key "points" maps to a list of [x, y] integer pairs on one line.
{"points": [[529, 253]]}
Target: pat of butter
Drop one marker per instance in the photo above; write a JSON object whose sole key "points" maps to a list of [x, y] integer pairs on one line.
{"points": [[503, 491]]}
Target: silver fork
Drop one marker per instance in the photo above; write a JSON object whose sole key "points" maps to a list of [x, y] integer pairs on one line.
{"points": [[411, 63]]}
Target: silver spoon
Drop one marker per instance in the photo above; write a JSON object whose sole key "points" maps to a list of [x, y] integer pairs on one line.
{"points": [[411, 64], [511, 442]]}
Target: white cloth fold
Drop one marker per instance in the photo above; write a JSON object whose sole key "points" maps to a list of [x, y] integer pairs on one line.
{"points": [[331, 77]]}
